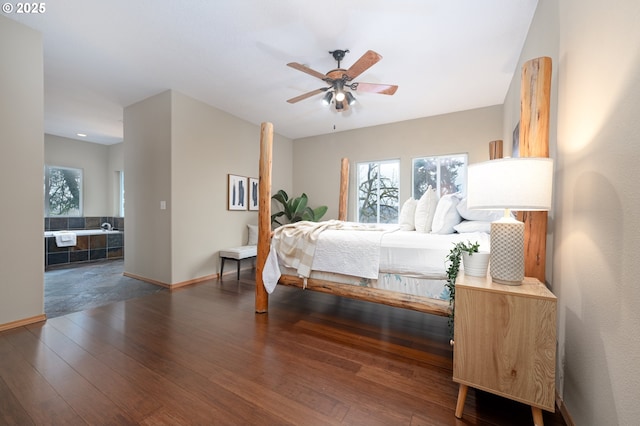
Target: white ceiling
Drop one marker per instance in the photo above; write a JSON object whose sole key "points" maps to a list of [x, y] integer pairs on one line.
{"points": [[445, 56]]}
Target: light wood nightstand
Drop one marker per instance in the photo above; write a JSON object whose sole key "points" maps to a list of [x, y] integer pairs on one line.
{"points": [[505, 341]]}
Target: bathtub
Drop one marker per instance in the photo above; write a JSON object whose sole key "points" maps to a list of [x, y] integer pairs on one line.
{"points": [[91, 245], [80, 232]]}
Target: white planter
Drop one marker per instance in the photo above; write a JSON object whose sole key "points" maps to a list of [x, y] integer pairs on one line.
{"points": [[475, 264]]}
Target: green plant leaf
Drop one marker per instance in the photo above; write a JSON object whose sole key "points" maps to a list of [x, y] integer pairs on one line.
{"points": [[295, 209], [318, 212], [452, 261]]}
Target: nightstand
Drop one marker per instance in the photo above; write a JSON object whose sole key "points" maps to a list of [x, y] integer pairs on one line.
{"points": [[505, 341]]}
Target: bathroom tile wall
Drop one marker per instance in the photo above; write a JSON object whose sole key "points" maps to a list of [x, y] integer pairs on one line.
{"points": [[71, 223], [88, 247]]}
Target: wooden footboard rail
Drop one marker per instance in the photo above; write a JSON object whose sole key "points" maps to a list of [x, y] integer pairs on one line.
{"points": [[375, 295]]}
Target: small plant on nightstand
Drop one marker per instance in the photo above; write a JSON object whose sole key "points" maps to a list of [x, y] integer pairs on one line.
{"points": [[453, 261]]}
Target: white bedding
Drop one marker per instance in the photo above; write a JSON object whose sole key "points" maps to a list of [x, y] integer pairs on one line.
{"points": [[407, 253], [354, 250], [421, 255]]}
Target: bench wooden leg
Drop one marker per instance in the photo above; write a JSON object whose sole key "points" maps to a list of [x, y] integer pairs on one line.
{"points": [[238, 269]]}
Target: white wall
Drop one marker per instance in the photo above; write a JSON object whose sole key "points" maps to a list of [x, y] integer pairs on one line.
{"points": [[596, 225], [185, 161], [21, 173], [93, 159], [147, 152], [99, 164], [316, 162], [114, 166]]}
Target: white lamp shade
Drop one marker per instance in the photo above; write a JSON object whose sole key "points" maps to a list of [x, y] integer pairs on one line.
{"points": [[510, 183]]}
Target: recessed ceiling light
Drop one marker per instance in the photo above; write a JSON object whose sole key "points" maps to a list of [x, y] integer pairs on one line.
{"points": [[82, 135]]}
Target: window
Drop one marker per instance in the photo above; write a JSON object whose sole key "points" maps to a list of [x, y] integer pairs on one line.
{"points": [[378, 191], [121, 193], [63, 191], [446, 173]]}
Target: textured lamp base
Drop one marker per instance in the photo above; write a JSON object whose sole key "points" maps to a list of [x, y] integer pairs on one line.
{"points": [[507, 251]]}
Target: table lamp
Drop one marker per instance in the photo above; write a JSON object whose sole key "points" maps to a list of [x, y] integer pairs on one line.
{"points": [[509, 184]]}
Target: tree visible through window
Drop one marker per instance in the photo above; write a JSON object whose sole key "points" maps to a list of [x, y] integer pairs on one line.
{"points": [[446, 173], [63, 191], [378, 191]]}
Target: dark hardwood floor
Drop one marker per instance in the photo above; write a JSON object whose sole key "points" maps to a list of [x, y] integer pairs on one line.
{"points": [[201, 355]]}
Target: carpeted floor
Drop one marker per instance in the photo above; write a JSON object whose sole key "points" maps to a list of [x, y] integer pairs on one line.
{"points": [[77, 288]]}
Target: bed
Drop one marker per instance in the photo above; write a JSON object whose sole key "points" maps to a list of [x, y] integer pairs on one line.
{"points": [[405, 268], [395, 283], [384, 287]]}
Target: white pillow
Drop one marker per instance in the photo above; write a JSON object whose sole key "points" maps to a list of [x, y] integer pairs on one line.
{"points": [[425, 210], [253, 235], [473, 226], [446, 215], [473, 214], [407, 215]]}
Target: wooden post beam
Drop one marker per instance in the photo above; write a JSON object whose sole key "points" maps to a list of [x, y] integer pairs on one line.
{"points": [[264, 213], [535, 100], [495, 149], [344, 189]]}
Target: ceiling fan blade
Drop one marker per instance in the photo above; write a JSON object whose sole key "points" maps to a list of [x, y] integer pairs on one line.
{"points": [[383, 89], [307, 70], [366, 61], [307, 95]]}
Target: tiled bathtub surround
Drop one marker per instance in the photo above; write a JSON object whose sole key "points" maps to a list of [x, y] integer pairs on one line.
{"points": [[90, 222], [88, 247]]}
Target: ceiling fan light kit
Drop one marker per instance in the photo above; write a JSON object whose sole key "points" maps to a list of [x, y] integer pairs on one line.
{"points": [[340, 79]]}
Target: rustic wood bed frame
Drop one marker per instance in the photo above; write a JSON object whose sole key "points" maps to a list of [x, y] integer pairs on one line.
{"points": [[534, 130]]}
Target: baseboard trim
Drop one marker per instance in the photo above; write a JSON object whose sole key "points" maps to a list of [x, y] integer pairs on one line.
{"points": [[23, 322], [171, 286], [193, 281], [564, 412]]}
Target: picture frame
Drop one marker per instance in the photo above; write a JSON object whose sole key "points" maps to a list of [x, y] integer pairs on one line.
{"points": [[253, 194], [237, 192]]}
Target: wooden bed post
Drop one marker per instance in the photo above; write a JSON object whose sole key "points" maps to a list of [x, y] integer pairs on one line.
{"points": [[495, 149], [264, 213], [534, 142], [344, 189]]}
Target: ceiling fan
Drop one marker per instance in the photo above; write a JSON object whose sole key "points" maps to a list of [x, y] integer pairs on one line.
{"points": [[340, 79]]}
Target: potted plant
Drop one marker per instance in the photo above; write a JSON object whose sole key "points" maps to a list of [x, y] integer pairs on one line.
{"points": [[458, 252], [295, 209]]}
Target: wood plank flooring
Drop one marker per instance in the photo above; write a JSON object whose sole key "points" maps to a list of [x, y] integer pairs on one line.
{"points": [[201, 356]]}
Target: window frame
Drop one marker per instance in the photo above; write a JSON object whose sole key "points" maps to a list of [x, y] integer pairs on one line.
{"points": [[47, 186], [462, 177], [121, 193], [395, 161]]}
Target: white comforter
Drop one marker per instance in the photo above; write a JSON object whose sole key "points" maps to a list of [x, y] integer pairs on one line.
{"points": [[360, 250]]}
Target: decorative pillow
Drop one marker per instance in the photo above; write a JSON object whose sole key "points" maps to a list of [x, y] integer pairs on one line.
{"points": [[253, 235], [473, 214], [407, 215], [425, 210], [473, 226], [446, 215]]}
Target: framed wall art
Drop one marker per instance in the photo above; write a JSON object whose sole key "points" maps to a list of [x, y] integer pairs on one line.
{"points": [[253, 194], [238, 193]]}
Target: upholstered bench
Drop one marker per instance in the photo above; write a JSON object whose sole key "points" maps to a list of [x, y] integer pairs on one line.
{"points": [[237, 254]]}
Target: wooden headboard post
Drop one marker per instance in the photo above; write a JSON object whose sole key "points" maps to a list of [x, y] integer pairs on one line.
{"points": [[534, 142], [344, 189], [495, 149], [264, 213]]}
